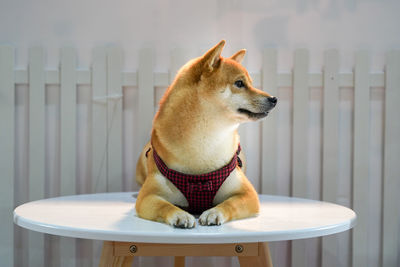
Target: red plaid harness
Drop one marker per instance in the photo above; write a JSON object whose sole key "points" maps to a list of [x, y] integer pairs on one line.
{"points": [[199, 190]]}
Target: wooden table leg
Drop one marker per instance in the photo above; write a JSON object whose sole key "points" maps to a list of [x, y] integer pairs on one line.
{"points": [[108, 259], [263, 259], [179, 261]]}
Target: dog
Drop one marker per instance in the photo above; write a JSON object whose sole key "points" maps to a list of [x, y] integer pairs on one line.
{"points": [[193, 164]]}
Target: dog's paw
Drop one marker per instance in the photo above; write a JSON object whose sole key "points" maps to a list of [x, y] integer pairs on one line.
{"points": [[212, 216], [181, 219]]}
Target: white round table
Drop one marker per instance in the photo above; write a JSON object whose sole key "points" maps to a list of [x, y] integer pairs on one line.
{"points": [[112, 217]]}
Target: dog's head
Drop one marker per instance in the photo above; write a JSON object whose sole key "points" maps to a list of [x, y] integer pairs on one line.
{"points": [[225, 83]]}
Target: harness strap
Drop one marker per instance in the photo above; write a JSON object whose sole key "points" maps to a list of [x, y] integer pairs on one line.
{"points": [[167, 172]]}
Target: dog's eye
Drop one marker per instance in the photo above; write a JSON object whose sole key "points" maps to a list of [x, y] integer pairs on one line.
{"points": [[239, 84]]}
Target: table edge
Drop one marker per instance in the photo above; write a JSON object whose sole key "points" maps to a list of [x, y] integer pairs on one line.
{"points": [[202, 238]]}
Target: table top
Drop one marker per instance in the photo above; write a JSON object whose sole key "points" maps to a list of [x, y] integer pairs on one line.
{"points": [[112, 216]]}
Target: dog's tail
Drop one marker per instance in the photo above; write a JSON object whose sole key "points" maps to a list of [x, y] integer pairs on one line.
{"points": [[141, 166]]}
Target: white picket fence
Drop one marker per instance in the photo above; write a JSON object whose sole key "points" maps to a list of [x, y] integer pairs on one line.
{"points": [[333, 136]]}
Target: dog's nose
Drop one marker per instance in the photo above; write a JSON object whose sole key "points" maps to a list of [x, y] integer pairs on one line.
{"points": [[273, 100]]}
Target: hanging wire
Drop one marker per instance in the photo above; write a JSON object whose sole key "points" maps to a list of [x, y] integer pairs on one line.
{"points": [[115, 99]]}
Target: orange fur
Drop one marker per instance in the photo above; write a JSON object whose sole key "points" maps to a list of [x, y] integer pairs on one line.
{"points": [[198, 119]]}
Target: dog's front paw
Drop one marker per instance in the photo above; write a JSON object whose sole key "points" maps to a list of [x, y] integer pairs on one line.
{"points": [[212, 216], [181, 219]]}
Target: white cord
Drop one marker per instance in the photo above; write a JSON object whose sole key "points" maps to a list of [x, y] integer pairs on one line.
{"points": [[116, 99]]}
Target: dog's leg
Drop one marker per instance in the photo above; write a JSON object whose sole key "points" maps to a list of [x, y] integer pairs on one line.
{"points": [[154, 207], [243, 203]]}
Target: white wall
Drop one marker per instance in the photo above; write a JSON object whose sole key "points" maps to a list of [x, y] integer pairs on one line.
{"points": [[286, 24]]}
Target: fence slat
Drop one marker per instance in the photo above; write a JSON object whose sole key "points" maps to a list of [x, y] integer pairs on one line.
{"points": [[361, 158], [114, 118], [330, 126], [7, 59], [330, 150], [146, 96], [36, 145], [391, 171], [68, 121], [300, 141], [269, 126], [68, 141], [99, 121], [300, 122], [99, 131]]}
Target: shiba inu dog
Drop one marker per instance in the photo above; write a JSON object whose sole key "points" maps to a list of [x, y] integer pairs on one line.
{"points": [[193, 163]]}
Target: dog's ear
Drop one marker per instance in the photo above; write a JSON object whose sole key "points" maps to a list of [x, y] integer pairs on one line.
{"points": [[212, 58], [239, 55]]}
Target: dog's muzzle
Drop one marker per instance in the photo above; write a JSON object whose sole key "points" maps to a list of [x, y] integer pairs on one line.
{"points": [[265, 107]]}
